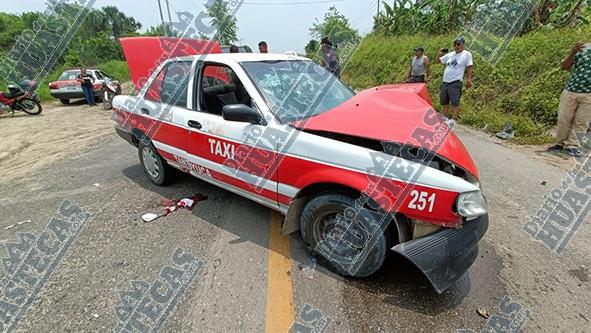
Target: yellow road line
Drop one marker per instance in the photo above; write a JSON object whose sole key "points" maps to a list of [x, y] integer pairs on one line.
{"points": [[280, 312]]}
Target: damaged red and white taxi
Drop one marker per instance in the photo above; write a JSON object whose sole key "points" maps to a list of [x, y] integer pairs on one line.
{"points": [[360, 175]]}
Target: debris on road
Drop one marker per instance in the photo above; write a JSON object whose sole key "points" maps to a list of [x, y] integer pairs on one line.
{"points": [[174, 205], [483, 312], [543, 183], [149, 217], [309, 269], [507, 133], [18, 223]]}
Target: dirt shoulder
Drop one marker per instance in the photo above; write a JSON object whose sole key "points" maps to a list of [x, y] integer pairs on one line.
{"points": [[32, 142], [538, 153]]}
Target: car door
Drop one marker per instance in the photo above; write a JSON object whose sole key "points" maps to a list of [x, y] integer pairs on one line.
{"points": [[220, 149], [165, 96]]}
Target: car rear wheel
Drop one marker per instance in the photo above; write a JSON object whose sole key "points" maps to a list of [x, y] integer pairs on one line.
{"points": [[355, 246], [65, 101], [155, 167]]}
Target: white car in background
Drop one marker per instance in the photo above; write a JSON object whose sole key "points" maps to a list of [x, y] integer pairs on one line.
{"points": [[67, 86]]}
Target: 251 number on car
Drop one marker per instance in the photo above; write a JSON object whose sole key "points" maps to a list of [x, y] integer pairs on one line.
{"points": [[421, 200]]}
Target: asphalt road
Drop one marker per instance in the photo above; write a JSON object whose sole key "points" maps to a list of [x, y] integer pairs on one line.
{"points": [[254, 280]]}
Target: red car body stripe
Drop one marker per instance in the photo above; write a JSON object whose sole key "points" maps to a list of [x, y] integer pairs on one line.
{"points": [[392, 195]]}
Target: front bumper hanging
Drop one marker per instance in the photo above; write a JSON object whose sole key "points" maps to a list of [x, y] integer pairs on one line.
{"points": [[445, 255]]}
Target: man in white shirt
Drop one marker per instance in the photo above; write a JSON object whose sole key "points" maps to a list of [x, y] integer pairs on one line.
{"points": [[456, 63]]}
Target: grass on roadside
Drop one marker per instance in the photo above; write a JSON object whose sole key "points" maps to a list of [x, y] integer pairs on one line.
{"points": [[523, 88]]}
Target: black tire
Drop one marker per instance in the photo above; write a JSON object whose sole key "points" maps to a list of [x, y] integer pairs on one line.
{"points": [[30, 106], [65, 101], [319, 219], [160, 173]]}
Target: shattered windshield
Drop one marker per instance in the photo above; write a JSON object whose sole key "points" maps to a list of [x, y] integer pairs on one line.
{"points": [[297, 89]]}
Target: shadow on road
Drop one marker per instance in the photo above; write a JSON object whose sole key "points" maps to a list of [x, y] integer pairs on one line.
{"points": [[399, 283]]}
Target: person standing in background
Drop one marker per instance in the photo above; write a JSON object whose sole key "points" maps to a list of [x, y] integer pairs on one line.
{"points": [[419, 67], [263, 47], [574, 111], [331, 60], [234, 49], [86, 80], [456, 63]]}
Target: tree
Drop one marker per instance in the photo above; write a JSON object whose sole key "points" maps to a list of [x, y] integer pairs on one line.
{"points": [[161, 30], [312, 48], [11, 26], [119, 23], [334, 25], [225, 22]]}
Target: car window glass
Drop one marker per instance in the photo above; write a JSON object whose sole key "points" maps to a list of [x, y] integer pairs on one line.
{"points": [[221, 86], [297, 89], [154, 90], [176, 81], [98, 75], [69, 75]]}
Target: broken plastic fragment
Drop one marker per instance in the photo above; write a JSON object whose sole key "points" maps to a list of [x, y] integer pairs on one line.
{"points": [[483, 312], [187, 203], [149, 217]]}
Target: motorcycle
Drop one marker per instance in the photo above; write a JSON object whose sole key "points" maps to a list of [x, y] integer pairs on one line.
{"points": [[111, 88], [21, 97]]}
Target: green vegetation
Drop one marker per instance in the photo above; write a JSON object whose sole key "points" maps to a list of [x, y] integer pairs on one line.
{"points": [[445, 16], [96, 43], [335, 26], [116, 69], [226, 25], [522, 88]]}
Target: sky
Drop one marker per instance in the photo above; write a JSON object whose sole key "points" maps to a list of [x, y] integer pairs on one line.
{"points": [[284, 24]]}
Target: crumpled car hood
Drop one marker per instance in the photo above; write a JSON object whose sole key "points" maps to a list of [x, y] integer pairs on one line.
{"points": [[390, 113]]}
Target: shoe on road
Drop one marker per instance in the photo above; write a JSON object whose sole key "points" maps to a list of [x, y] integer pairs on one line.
{"points": [[574, 152]]}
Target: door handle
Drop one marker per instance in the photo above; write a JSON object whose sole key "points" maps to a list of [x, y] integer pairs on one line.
{"points": [[194, 124], [145, 111]]}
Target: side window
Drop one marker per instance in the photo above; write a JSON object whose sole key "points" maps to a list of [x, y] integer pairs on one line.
{"points": [[176, 81], [154, 90], [220, 86], [98, 75]]}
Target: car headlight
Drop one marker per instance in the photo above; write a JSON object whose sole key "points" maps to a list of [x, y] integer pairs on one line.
{"points": [[472, 204]]}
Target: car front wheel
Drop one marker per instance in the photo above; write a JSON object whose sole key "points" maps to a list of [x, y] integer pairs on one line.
{"points": [[155, 167], [65, 101], [355, 245]]}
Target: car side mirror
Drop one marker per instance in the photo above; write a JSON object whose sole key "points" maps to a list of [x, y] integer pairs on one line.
{"points": [[242, 113]]}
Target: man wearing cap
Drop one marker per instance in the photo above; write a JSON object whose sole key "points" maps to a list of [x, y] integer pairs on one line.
{"points": [[574, 111], [456, 63], [419, 67], [331, 60]]}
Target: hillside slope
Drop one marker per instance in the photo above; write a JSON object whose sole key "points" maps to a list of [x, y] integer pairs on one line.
{"points": [[522, 88]]}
